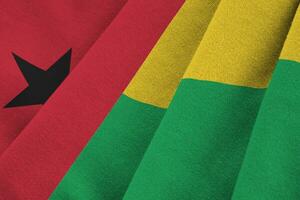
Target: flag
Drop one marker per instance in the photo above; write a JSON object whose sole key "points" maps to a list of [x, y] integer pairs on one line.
{"points": [[113, 154], [36, 160], [186, 100]]}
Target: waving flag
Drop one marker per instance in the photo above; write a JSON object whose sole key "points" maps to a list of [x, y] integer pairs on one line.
{"points": [[150, 100]]}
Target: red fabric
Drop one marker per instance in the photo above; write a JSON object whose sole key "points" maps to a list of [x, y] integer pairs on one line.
{"points": [[35, 162], [41, 32]]}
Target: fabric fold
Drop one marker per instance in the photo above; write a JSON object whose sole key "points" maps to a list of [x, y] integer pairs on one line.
{"points": [[271, 164], [35, 162], [105, 167], [198, 149], [40, 33], [166, 100]]}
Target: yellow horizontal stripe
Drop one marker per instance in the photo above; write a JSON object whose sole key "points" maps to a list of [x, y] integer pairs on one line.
{"points": [[291, 48], [243, 42], [157, 79]]}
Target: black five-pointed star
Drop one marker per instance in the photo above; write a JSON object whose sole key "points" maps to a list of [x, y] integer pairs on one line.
{"points": [[41, 84]]}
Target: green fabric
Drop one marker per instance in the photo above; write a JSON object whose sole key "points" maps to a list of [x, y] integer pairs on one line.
{"points": [[199, 146], [271, 168], [106, 165]]}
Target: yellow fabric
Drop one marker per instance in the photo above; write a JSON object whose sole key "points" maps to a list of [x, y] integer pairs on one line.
{"points": [[291, 50], [243, 42], [157, 79]]}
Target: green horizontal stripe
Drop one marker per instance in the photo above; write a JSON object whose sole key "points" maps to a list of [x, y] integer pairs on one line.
{"points": [[198, 149], [271, 170], [106, 165]]}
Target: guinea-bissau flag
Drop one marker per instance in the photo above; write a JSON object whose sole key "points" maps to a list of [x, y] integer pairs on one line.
{"points": [[150, 100]]}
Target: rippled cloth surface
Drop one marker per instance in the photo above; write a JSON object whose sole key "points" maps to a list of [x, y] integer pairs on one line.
{"points": [[204, 103]]}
